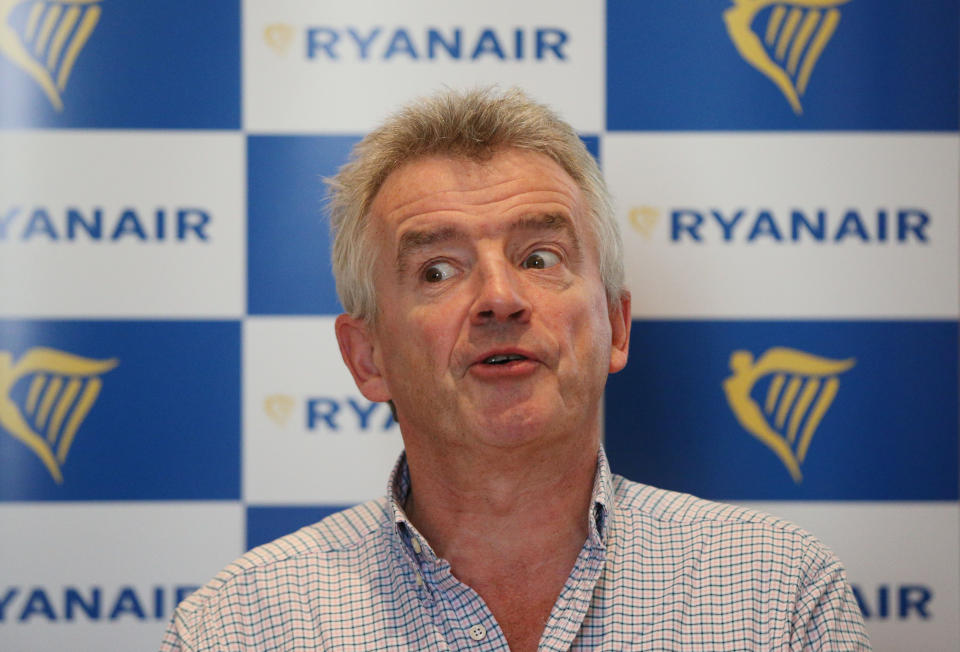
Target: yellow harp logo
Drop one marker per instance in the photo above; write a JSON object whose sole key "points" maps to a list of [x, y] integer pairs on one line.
{"points": [[278, 36], [279, 407], [644, 219], [800, 391], [63, 387], [795, 33], [48, 44]]}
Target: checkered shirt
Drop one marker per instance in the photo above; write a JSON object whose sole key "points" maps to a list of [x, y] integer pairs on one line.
{"points": [[659, 570]]}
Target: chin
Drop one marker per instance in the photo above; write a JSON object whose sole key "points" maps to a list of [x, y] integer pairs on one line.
{"points": [[518, 426]]}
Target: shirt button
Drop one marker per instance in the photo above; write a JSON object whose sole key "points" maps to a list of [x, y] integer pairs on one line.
{"points": [[419, 579], [416, 545], [477, 632]]}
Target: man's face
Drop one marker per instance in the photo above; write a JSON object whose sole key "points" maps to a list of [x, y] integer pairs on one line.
{"points": [[493, 326]]}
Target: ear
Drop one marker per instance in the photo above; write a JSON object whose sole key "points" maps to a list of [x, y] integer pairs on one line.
{"points": [[357, 346], [620, 320]]}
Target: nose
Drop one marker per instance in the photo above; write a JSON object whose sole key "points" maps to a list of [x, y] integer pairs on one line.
{"points": [[500, 294]]}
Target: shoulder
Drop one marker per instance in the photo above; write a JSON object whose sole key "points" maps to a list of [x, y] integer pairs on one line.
{"points": [[743, 568], [321, 548], [673, 508], [679, 521]]}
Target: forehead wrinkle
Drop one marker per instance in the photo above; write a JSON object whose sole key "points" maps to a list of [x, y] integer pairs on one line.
{"points": [[436, 200]]}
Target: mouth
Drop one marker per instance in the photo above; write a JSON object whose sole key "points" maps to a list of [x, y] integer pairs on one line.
{"points": [[503, 358], [504, 364]]}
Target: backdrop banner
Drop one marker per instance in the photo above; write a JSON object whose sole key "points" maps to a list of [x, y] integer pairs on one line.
{"points": [[786, 176]]}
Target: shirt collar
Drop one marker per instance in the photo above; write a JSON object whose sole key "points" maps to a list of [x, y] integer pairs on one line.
{"points": [[406, 535], [417, 547], [602, 497]]}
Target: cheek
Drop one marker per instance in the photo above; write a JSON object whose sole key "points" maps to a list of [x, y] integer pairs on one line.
{"points": [[425, 339], [593, 333]]}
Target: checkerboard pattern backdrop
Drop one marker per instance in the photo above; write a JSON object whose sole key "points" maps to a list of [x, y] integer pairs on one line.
{"points": [[785, 175]]}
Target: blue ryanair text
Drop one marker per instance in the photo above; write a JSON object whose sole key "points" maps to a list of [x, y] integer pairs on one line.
{"points": [[899, 225], [455, 43], [97, 224], [329, 413], [901, 601], [90, 603]]}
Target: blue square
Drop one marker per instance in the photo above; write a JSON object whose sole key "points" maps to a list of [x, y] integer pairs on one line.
{"points": [[734, 65], [264, 524], [288, 258], [120, 410], [674, 419], [154, 65]]}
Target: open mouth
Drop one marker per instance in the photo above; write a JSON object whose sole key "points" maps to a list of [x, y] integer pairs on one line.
{"points": [[504, 358]]}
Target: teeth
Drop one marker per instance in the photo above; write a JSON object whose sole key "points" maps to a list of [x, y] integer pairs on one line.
{"points": [[501, 359]]}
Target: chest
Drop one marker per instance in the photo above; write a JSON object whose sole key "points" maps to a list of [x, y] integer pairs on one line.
{"points": [[524, 612]]}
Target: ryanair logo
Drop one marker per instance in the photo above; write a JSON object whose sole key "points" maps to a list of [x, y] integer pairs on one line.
{"points": [[901, 225], [279, 36], [455, 43], [279, 407], [800, 387], [330, 414], [62, 389], [644, 220], [98, 603], [47, 46], [100, 224], [794, 35]]}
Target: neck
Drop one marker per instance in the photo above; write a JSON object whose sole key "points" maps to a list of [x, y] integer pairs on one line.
{"points": [[502, 503], [509, 520]]}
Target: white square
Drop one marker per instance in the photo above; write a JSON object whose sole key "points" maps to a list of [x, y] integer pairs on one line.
{"points": [[343, 67], [901, 557], [309, 437], [122, 224], [106, 576], [887, 247]]}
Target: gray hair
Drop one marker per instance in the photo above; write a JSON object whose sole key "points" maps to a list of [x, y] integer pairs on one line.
{"points": [[473, 124]]}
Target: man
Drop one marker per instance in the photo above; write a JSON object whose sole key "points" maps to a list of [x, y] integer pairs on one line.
{"points": [[478, 261]]}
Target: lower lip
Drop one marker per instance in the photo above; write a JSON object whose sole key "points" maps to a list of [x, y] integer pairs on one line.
{"points": [[512, 369]]}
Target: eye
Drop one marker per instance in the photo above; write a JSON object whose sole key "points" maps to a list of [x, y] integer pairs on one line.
{"points": [[438, 272], [541, 259]]}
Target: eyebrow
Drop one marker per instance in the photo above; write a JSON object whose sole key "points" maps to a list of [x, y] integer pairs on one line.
{"points": [[417, 239], [554, 222]]}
